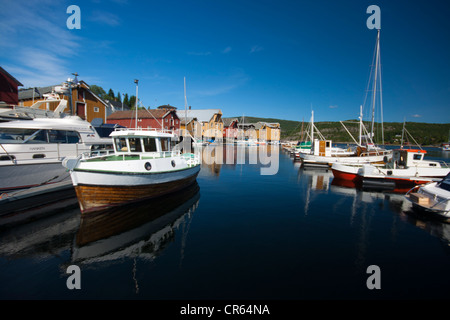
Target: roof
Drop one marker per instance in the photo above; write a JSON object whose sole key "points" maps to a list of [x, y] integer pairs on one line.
{"points": [[142, 114], [202, 115], [10, 76], [228, 121], [188, 119], [25, 94]]}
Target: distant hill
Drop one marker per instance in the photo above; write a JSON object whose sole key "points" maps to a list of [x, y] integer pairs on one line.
{"points": [[424, 133]]}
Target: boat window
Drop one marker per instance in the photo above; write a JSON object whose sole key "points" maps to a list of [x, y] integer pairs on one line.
{"points": [[445, 185], [121, 144], [15, 135], [135, 144], [417, 157], [39, 136], [164, 144], [149, 144], [63, 136]]}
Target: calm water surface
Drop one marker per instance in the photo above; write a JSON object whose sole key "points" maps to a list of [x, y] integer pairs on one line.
{"points": [[236, 234]]}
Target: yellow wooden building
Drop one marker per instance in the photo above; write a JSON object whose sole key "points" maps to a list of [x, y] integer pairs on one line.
{"points": [[208, 125], [81, 102]]}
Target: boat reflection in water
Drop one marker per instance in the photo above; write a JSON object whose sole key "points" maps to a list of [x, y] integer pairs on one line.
{"points": [[396, 203], [134, 230]]}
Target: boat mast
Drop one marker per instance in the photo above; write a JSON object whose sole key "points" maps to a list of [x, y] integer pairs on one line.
{"points": [[360, 125], [185, 110], [375, 82], [312, 126]]}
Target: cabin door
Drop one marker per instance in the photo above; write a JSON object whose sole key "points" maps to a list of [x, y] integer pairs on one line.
{"points": [[322, 148]]}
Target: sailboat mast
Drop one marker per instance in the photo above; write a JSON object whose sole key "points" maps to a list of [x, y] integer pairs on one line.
{"points": [[360, 125], [185, 109], [312, 126], [375, 81]]}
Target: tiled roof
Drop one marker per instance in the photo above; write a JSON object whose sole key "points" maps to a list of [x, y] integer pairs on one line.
{"points": [[142, 114]]}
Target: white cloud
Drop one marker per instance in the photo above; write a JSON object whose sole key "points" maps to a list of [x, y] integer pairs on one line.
{"points": [[416, 116], [36, 45], [333, 107], [106, 18], [207, 53], [226, 50], [256, 48]]}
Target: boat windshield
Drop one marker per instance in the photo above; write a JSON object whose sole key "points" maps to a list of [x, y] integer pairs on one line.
{"points": [[445, 183], [21, 135]]}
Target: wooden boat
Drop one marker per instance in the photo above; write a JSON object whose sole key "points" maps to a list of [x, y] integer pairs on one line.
{"points": [[143, 166], [432, 198]]}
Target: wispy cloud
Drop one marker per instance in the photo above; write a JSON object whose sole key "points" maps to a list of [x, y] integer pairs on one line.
{"points": [[256, 48], [207, 53], [226, 50], [224, 83], [416, 116], [333, 107], [106, 18], [35, 45]]}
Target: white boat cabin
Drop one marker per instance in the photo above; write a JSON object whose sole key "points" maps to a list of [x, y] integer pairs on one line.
{"points": [[404, 158], [153, 142]]}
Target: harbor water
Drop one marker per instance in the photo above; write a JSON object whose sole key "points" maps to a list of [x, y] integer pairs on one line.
{"points": [[293, 234]]}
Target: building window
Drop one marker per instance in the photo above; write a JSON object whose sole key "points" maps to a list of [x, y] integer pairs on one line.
{"points": [[96, 109]]}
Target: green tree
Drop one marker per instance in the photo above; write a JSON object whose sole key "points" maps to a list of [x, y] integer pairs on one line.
{"points": [[98, 90], [126, 101], [132, 102], [119, 98]]}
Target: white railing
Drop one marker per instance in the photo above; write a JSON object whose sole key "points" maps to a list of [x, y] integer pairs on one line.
{"points": [[148, 129]]}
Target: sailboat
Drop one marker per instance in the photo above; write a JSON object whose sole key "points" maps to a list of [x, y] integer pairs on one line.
{"points": [[365, 152], [406, 169]]}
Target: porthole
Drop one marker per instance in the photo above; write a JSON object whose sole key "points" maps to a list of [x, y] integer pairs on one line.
{"points": [[8, 157], [173, 163], [38, 156], [148, 166]]}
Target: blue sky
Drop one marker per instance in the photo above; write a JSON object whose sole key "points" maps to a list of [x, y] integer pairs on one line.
{"points": [[276, 59]]}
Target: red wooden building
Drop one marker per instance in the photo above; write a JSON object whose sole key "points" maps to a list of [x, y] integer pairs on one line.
{"points": [[230, 128], [9, 93], [155, 118]]}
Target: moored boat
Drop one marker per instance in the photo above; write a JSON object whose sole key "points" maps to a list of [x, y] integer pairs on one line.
{"points": [[406, 169], [432, 198], [31, 151], [144, 165]]}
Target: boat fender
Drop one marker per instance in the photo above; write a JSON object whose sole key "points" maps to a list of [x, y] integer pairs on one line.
{"points": [[148, 166]]}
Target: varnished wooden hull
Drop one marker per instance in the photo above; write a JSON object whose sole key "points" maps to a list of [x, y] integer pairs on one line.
{"points": [[98, 197]]}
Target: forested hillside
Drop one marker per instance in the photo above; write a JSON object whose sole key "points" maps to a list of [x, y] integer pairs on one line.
{"points": [[423, 133]]}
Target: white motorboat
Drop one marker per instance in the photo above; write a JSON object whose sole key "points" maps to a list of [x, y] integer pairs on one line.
{"points": [[432, 198], [144, 165], [31, 151], [406, 169]]}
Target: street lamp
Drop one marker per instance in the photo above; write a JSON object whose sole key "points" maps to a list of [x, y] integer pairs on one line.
{"points": [[136, 104]]}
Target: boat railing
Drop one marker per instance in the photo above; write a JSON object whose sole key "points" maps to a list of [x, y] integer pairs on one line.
{"points": [[148, 129]]}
